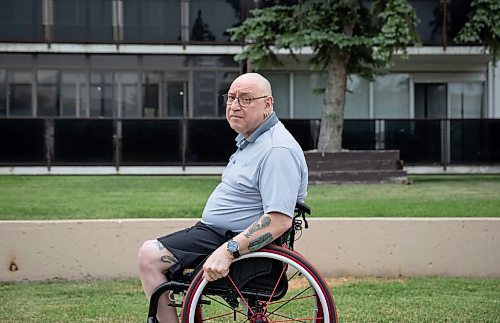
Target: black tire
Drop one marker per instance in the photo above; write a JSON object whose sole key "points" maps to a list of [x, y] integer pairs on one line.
{"points": [[306, 296]]}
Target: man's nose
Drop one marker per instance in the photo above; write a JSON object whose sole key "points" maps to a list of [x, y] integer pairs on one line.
{"points": [[235, 105]]}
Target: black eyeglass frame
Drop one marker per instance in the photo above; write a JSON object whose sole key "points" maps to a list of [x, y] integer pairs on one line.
{"points": [[250, 100]]}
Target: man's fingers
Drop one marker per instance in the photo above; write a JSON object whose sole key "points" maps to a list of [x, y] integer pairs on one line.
{"points": [[211, 275]]}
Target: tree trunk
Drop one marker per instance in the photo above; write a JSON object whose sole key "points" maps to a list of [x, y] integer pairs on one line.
{"points": [[332, 120]]}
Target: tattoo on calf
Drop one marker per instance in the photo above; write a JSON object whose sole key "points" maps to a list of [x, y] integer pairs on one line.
{"points": [[260, 242], [262, 223], [168, 260]]}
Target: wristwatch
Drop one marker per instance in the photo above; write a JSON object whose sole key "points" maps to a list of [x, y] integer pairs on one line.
{"points": [[234, 248]]}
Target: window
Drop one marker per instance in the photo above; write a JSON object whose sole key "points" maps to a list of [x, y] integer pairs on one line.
{"points": [[466, 100], [441, 21], [73, 94], [47, 93], [209, 20], [20, 93], [430, 100], [83, 20], [127, 94], [3, 92], [391, 96], [151, 21], [280, 84], [151, 82], [21, 20], [357, 101], [223, 81], [175, 98], [101, 94], [430, 21], [308, 98], [209, 86], [204, 94]]}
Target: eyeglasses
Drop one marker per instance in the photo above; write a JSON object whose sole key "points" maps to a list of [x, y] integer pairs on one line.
{"points": [[242, 101]]}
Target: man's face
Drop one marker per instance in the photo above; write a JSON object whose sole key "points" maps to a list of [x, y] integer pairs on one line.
{"points": [[244, 120]]}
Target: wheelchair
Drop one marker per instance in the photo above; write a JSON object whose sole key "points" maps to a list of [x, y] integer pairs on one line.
{"points": [[272, 284]]}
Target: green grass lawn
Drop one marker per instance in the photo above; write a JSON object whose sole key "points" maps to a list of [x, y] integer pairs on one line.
{"points": [[92, 197], [358, 300]]}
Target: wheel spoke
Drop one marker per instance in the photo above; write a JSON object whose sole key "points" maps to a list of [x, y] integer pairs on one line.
{"points": [[224, 305], [239, 293], [293, 292]]}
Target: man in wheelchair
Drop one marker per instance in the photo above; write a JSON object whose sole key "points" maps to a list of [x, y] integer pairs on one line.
{"points": [[253, 204]]}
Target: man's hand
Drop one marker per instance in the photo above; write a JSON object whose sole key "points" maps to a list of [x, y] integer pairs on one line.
{"points": [[217, 265]]}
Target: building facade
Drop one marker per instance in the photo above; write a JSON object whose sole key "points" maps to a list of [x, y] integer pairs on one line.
{"points": [[139, 82]]}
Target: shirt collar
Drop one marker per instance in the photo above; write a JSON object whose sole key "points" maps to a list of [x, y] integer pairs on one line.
{"points": [[242, 142]]}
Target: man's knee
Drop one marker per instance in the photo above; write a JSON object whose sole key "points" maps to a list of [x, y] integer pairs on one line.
{"points": [[153, 256]]}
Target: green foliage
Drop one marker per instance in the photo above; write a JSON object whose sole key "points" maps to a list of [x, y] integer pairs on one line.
{"points": [[398, 22], [365, 38], [483, 27]]}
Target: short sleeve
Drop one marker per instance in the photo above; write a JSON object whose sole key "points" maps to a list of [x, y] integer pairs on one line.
{"points": [[279, 180]]}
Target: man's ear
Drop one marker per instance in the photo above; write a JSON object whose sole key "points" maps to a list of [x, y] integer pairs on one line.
{"points": [[269, 102]]}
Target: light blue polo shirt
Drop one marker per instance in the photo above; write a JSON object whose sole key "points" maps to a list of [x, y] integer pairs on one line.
{"points": [[267, 173]]}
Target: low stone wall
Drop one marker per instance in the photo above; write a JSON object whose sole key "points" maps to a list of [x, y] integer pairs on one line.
{"points": [[338, 247]]}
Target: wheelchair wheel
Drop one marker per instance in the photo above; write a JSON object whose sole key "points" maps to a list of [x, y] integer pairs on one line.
{"points": [[305, 296]]}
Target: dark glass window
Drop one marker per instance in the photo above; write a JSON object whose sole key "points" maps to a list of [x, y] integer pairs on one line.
{"points": [[20, 93], [473, 141], [3, 92], [419, 141], [101, 94], [83, 21], [151, 83], [21, 21], [176, 98], [127, 93], [304, 131], [47, 93], [151, 21], [22, 141], [210, 141], [430, 26], [151, 142], [83, 141], [73, 94], [208, 90], [440, 21], [430, 100], [209, 20], [459, 12], [359, 134], [204, 94]]}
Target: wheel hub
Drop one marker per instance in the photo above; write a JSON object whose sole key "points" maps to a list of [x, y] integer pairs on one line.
{"points": [[259, 318]]}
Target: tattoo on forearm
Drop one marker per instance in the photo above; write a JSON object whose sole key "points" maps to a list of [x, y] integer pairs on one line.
{"points": [[260, 242], [168, 260], [159, 245], [262, 223]]}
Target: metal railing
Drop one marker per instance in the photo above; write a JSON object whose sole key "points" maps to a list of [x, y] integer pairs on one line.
{"points": [[128, 142]]}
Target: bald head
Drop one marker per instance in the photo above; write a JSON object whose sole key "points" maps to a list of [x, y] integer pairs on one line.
{"points": [[259, 82], [245, 119]]}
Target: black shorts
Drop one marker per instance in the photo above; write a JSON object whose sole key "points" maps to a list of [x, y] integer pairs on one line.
{"points": [[191, 246]]}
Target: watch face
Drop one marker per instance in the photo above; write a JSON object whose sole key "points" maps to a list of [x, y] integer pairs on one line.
{"points": [[232, 246]]}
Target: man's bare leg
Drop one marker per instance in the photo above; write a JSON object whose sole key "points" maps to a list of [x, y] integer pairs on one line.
{"points": [[154, 260]]}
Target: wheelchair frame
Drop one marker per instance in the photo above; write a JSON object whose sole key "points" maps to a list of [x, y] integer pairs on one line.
{"points": [[279, 251]]}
